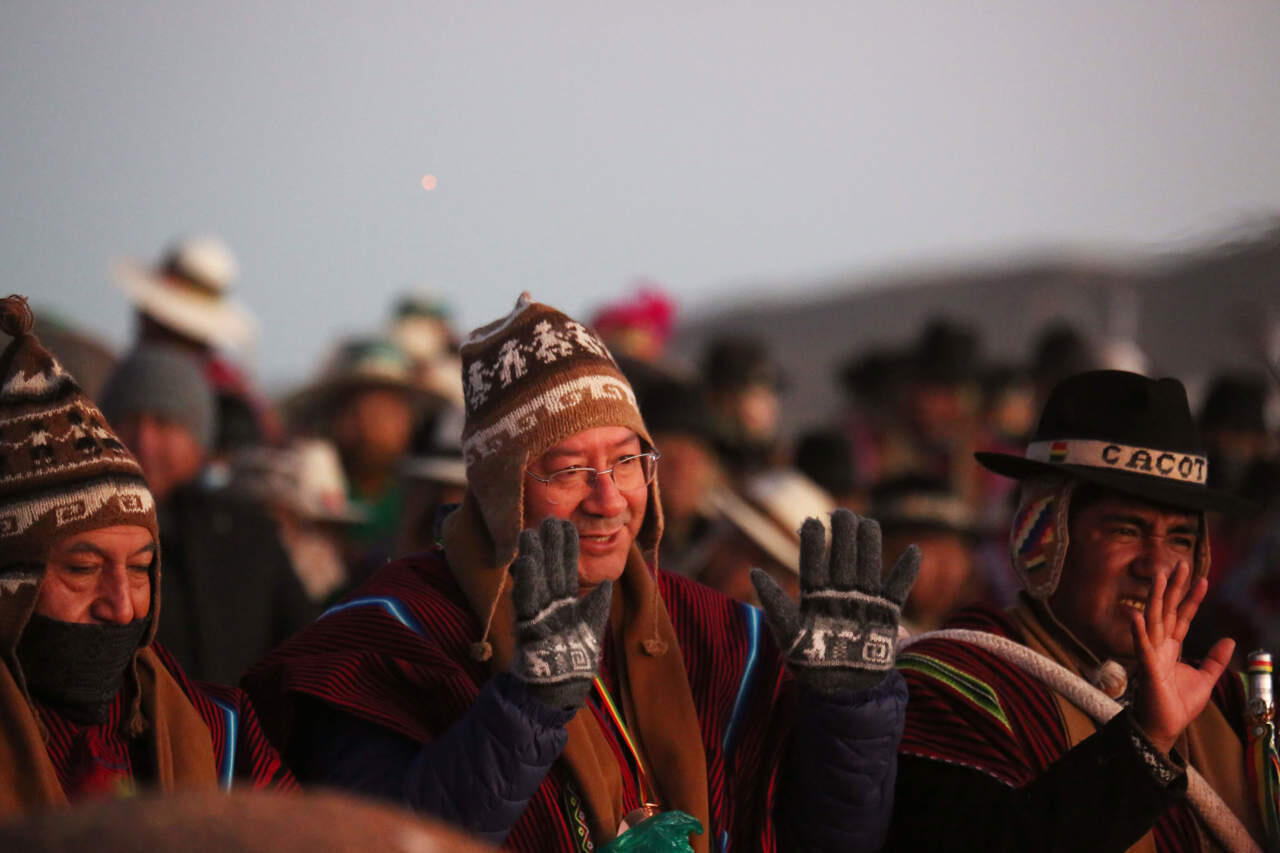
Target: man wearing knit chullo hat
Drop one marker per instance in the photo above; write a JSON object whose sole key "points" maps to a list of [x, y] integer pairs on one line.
{"points": [[550, 688], [89, 705]]}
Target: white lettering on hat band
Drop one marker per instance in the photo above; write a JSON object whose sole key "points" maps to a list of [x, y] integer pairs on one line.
{"points": [[1153, 462]]}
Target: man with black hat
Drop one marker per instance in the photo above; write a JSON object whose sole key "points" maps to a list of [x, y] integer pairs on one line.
{"points": [[1009, 744]]}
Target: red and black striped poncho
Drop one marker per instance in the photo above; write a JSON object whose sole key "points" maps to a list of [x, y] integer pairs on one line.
{"points": [[98, 760], [396, 654], [973, 709]]}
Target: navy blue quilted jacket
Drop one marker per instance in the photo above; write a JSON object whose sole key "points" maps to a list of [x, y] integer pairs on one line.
{"points": [[836, 790]]}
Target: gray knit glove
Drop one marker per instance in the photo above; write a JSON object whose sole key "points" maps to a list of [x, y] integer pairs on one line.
{"points": [[557, 633], [844, 633]]}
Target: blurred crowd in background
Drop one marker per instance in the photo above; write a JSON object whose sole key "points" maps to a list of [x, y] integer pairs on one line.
{"points": [[272, 508]]}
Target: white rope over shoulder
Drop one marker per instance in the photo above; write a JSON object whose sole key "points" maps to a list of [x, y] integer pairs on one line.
{"points": [[1217, 816]]}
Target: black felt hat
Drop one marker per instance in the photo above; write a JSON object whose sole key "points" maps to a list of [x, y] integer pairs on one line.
{"points": [[947, 353], [1125, 432], [917, 502], [736, 362], [1236, 401]]}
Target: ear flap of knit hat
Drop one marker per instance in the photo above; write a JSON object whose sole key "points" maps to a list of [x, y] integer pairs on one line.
{"points": [[532, 379], [1038, 537], [62, 472]]}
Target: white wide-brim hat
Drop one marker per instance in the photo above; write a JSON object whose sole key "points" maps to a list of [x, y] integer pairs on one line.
{"points": [[770, 510], [189, 292]]}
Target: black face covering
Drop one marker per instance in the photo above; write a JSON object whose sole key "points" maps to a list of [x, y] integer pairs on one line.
{"points": [[78, 668]]}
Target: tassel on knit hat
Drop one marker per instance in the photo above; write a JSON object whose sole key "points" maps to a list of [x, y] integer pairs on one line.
{"points": [[532, 379], [62, 472]]}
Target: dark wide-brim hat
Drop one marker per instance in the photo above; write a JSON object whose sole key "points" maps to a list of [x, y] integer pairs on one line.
{"points": [[358, 364], [1125, 432]]}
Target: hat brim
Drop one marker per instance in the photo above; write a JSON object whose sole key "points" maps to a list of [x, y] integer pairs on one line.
{"points": [[223, 321], [894, 524], [321, 398], [437, 469], [1169, 492], [757, 527]]}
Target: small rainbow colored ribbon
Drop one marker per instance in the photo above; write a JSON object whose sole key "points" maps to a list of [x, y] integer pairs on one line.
{"points": [[646, 795], [1262, 763]]}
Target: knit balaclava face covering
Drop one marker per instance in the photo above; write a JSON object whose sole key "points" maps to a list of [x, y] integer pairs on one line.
{"points": [[531, 380], [62, 472], [78, 668]]}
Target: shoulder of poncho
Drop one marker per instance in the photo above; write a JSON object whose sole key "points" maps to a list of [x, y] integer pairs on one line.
{"points": [[970, 707], [407, 611], [401, 635], [213, 702], [425, 573], [956, 663]]}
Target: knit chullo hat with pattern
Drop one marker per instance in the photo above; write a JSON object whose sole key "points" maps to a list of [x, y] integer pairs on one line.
{"points": [[532, 379], [62, 472]]}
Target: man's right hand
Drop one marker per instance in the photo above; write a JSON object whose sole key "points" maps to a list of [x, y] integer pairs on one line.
{"points": [[1171, 693], [557, 633]]}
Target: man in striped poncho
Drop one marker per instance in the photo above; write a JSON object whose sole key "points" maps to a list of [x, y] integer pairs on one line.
{"points": [[550, 689], [1007, 744], [90, 707]]}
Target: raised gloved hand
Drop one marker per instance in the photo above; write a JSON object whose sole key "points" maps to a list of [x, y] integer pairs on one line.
{"points": [[844, 633], [557, 633]]}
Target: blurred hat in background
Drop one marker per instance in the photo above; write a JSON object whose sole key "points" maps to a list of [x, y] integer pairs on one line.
{"points": [[189, 291], [1235, 401], [164, 381], [357, 364], [1060, 350], [638, 327], [826, 457], [874, 375], [921, 503], [738, 362], [305, 478], [420, 326], [946, 353], [669, 405], [1123, 354], [435, 454], [770, 509]]}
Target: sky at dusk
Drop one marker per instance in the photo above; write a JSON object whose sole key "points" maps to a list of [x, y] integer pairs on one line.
{"points": [[721, 149]]}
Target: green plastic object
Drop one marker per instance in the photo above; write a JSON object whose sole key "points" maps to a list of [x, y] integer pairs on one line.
{"points": [[667, 832]]}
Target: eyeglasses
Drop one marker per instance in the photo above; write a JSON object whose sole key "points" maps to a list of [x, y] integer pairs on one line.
{"points": [[570, 485]]}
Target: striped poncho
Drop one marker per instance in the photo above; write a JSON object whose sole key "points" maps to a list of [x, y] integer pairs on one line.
{"points": [[396, 654], [972, 710], [100, 760]]}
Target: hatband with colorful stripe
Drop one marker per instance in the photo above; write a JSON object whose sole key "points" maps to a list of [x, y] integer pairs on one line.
{"points": [[1152, 462]]}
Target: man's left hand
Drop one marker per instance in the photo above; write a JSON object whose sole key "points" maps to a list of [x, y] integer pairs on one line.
{"points": [[844, 633], [1171, 693]]}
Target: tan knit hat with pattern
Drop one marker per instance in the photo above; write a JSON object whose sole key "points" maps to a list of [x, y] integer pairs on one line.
{"points": [[62, 471], [532, 379]]}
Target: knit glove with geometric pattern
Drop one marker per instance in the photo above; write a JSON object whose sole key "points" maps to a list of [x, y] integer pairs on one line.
{"points": [[844, 633], [557, 633]]}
